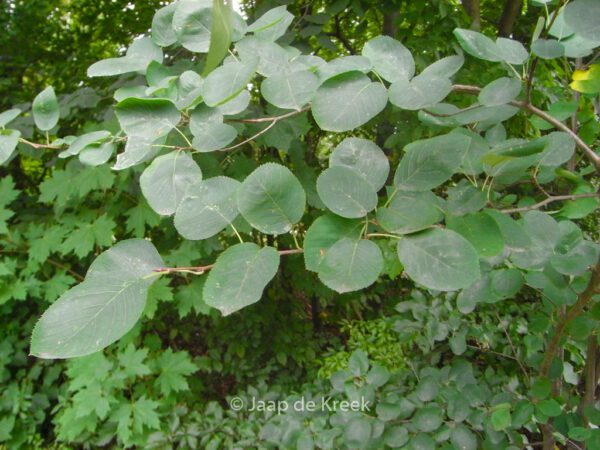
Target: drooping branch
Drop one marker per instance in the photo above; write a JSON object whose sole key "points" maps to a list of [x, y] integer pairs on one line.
{"points": [[199, 270], [591, 154], [555, 198], [510, 13]]}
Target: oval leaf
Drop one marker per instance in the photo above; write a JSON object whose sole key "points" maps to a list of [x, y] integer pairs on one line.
{"points": [[350, 265], [363, 156], [165, 181], [239, 277], [348, 101], [390, 59], [345, 192], [97, 312], [45, 109], [207, 208], [271, 199], [439, 259]]}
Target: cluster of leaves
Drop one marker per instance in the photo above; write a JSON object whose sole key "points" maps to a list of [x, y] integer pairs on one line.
{"points": [[221, 147]]}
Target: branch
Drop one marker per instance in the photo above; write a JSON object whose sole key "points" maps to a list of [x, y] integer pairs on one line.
{"points": [[34, 145], [509, 17], [199, 270], [472, 9], [584, 299], [555, 198], [591, 154]]}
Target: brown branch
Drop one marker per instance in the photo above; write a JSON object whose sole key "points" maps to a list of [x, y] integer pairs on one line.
{"points": [[35, 145], [575, 311], [472, 8], [199, 270], [270, 119], [510, 13], [591, 154], [555, 198]]}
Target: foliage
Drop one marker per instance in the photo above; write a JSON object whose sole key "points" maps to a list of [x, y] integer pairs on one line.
{"points": [[259, 214]]}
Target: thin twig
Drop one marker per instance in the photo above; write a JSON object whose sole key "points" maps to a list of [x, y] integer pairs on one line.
{"points": [[199, 270], [512, 346], [555, 198], [591, 154]]}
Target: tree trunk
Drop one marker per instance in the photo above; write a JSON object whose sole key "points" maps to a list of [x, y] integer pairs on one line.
{"points": [[472, 8], [511, 11]]}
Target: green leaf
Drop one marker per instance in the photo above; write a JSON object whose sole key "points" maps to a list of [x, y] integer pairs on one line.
{"points": [[8, 116], [220, 35], [390, 59], [480, 230], [507, 282], [45, 109], [162, 26], [428, 418], [342, 65], [83, 142], [348, 101], [210, 133], [226, 82], [430, 162], [357, 432], [463, 439], [290, 90], [141, 53], [395, 436], [132, 361], [559, 148], [271, 199], [548, 48], [147, 118], [165, 181], [97, 312], [421, 92], [9, 139], [584, 16], [272, 24], [541, 388], [239, 277], [511, 51], [464, 199], [363, 156], [439, 259], [409, 212], [577, 260], [174, 367], [477, 44], [500, 91], [444, 68], [97, 154], [345, 192], [550, 408], [207, 208], [86, 236], [323, 233], [269, 58], [500, 417], [192, 22], [350, 265], [138, 149]]}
